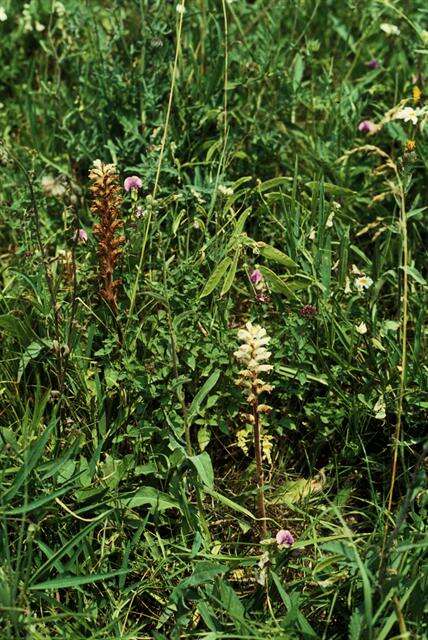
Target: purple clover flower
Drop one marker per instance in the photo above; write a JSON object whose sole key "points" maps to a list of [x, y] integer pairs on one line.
{"points": [[284, 539], [373, 64], [133, 182], [367, 126], [81, 235], [308, 311]]}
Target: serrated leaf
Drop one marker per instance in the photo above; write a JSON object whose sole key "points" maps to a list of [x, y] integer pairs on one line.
{"points": [[215, 277]]}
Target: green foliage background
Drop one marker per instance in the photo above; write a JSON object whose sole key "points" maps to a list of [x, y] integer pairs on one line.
{"points": [[110, 526]]}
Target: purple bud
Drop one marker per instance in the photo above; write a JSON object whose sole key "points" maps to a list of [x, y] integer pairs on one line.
{"points": [[308, 311], [373, 64], [284, 538], [256, 276], [81, 235], [367, 126], [133, 182]]}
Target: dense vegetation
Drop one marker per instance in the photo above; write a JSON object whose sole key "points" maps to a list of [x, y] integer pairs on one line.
{"points": [[180, 184]]}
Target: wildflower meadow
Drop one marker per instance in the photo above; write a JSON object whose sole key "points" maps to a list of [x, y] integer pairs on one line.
{"points": [[213, 367]]}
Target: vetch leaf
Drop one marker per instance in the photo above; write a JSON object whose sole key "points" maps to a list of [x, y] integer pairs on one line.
{"points": [[215, 277]]}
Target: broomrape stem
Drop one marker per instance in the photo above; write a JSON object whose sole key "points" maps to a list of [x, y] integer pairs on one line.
{"points": [[259, 466]]}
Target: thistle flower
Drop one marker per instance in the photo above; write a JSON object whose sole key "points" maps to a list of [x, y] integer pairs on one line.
{"points": [[253, 355], [106, 201], [133, 183]]}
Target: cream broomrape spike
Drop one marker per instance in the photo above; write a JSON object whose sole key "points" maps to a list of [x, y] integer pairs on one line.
{"points": [[253, 354]]}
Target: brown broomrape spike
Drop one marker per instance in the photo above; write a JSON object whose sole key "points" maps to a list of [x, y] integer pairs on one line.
{"points": [[106, 201]]}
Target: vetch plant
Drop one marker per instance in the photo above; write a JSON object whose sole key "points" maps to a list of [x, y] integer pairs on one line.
{"points": [[253, 355], [106, 201]]}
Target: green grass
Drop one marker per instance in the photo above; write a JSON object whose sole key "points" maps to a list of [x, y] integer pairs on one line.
{"points": [[127, 510]]}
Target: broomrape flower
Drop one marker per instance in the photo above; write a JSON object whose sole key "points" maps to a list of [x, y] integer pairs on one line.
{"points": [[408, 114], [284, 539], [363, 282], [253, 355], [367, 126], [390, 29], [132, 183]]}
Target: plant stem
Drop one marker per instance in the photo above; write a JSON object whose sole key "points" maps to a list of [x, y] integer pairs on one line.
{"points": [[260, 476]]}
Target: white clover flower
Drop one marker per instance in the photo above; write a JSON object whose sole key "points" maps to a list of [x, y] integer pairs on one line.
{"points": [[361, 328], [330, 218], [347, 285], [3, 15], [180, 8], [424, 36], [380, 408], [225, 191], [53, 186], [197, 195], [408, 114], [363, 282], [390, 29]]}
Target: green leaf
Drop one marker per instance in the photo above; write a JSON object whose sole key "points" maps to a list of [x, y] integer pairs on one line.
{"points": [[204, 437], [230, 276], [334, 189], [230, 503], [204, 467], [276, 283], [269, 252], [64, 582], [214, 279], [415, 274], [31, 352], [202, 393], [147, 495], [355, 625]]}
